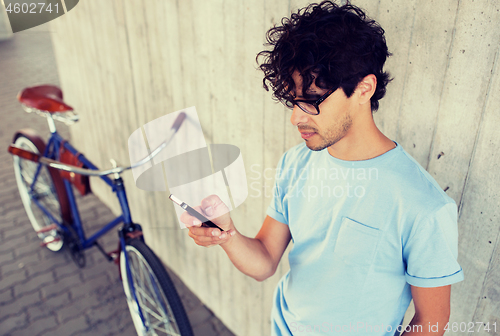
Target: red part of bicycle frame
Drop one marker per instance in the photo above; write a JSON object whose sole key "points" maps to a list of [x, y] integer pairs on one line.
{"points": [[22, 153]]}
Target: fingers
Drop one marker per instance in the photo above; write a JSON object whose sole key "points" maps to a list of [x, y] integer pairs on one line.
{"points": [[191, 220], [209, 236], [214, 209]]}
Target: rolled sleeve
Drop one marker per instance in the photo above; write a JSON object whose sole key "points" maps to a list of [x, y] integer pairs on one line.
{"points": [[276, 208], [435, 282], [276, 215], [431, 252]]}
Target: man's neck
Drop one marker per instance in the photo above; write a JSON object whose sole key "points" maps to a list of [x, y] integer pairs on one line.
{"points": [[363, 141]]}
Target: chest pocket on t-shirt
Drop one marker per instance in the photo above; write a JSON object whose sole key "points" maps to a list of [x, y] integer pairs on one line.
{"points": [[352, 258], [356, 244]]}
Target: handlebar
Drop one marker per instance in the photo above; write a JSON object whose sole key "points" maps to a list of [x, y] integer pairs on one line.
{"points": [[14, 150]]}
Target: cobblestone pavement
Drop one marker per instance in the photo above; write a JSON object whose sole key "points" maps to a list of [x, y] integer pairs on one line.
{"points": [[42, 292]]}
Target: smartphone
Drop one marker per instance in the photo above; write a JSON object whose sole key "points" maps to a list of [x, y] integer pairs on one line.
{"points": [[205, 222]]}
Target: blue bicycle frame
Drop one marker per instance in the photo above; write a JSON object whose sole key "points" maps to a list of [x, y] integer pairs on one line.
{"points": [[52, 152]]}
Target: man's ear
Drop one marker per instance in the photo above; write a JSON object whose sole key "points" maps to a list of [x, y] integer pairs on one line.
{"points": [[366, 89]]}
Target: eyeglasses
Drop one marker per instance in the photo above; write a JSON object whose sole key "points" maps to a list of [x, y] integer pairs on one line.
{"points": [[311, 106]]}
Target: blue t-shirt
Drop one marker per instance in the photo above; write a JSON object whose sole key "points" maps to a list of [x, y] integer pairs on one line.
{"points": [[362, 232]]}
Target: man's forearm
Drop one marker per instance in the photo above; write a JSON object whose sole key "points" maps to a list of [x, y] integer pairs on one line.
{"points": [[250, 256]]}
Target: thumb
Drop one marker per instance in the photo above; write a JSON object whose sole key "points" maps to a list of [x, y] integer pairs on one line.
{"points": [[213, 206], [217, 211]]}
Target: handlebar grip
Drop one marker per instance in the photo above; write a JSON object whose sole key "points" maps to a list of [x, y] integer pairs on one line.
{"points": [[178, 122], [23, 153]]}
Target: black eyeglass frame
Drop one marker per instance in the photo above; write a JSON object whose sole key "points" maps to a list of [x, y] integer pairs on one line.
{"points": [[314, 103]]}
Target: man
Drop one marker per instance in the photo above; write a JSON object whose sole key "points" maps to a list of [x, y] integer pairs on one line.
{"points": [[371, 228]]}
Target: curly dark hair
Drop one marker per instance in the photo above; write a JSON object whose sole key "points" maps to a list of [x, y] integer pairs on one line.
{"points": [[331, 45]]}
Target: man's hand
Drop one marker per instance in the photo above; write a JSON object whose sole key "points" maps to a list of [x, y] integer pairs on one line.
{"points": [[256, 257], [214, 209]]}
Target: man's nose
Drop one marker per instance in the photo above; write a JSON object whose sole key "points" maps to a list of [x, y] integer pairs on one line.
{"points": [[298, 116]]}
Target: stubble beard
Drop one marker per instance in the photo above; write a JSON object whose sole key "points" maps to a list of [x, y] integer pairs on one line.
{"points": [[332, 135]]}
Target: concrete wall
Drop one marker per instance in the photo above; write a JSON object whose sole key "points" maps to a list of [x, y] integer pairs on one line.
{"points": [[5, 30], [124, 63]]}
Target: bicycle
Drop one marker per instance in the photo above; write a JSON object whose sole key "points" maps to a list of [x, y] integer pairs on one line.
{"points": [[50, 203]]}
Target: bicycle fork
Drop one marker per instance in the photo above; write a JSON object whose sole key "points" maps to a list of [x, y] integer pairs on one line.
{"points": [[131, 280]]}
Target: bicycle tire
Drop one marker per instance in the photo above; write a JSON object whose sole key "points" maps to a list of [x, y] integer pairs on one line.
{"points": [[171, 318], [46, 192]]}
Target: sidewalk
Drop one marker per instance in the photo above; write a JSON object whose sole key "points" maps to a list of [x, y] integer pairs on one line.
{"points": [[42, 292]]}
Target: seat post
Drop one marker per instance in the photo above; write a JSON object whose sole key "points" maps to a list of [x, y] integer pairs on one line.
{"points": [[52, 125]]}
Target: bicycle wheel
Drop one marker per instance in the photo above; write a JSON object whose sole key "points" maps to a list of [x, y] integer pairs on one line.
{"points": [[44, 192], [160, 304]]}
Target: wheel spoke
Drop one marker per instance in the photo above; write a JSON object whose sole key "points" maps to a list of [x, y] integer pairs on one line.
{"points": [[145, 295], [148, 276], [137, 283], [169, 332], [43, 192], [165, 315], [151, 300], [164, 319], [152, 313], [138, 280], [142, 290], [169, 312]]}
